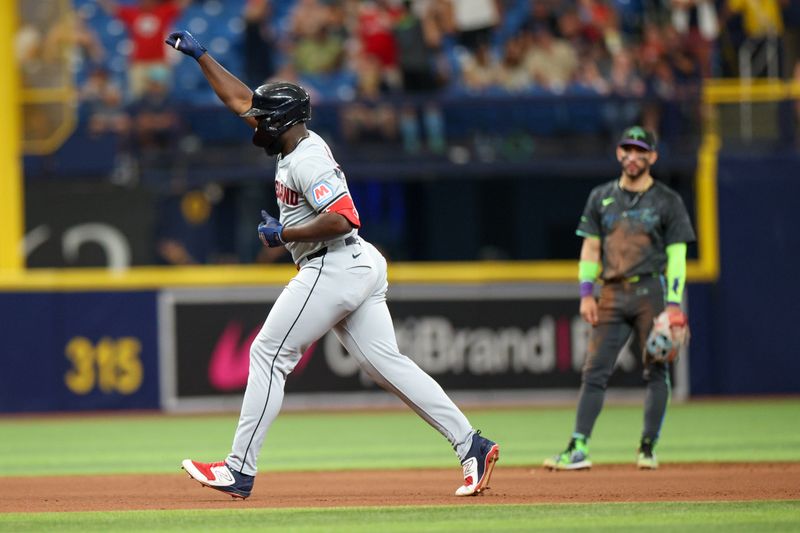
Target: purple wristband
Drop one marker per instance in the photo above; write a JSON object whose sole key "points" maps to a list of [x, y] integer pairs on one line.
{"points": [[587, 289]]}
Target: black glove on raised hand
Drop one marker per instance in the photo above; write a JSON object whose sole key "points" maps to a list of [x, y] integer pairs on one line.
{"points": [[183, 41]]}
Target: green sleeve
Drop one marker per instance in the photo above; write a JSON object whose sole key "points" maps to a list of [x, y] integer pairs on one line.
{"points": [[588, 270], [676, 271]]}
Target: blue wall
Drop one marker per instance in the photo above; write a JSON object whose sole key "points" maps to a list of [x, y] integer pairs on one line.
{"points": [[78, 351], [745, 327]]}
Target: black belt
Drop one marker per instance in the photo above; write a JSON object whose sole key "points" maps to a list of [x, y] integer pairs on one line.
{"points": [[324, 250]]}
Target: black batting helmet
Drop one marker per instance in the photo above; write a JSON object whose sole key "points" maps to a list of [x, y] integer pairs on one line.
{"points": [[278, 106]]}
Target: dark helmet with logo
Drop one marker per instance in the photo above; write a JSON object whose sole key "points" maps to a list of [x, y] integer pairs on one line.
{"points": [[277, 106]]}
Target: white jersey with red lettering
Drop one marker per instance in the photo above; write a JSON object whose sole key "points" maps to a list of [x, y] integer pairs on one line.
{"points": [[308, 182], [341, 286]]}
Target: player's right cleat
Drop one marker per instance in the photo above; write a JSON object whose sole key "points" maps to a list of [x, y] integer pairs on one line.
{"points": [[575, 457], [647, 458], [478, 465], [220, 477]]}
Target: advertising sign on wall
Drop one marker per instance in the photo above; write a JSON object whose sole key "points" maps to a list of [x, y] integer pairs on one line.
{"points": [[527, 338], [74, 225], [78, 351]]}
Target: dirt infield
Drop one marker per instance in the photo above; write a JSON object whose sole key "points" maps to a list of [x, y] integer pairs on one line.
{"points": [[619, 483]]}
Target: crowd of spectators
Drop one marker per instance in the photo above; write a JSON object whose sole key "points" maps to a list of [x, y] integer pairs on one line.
{"points": [[477, 46], [632, 47], [390, 62], [368, 52]]}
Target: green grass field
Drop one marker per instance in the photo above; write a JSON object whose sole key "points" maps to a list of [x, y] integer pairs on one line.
{"points": [[734, 430], [701, 517]]}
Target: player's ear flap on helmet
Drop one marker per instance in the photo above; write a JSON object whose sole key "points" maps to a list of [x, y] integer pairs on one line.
{"points": [[261, 136], [266, 137]]}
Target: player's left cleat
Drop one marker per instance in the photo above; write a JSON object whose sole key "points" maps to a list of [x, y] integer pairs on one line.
{"points": [[575, 457], [647, 458], [220, 477], [478, 465]]}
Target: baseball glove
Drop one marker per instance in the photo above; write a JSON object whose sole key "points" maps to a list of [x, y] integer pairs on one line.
{"points": [[670, 333]]}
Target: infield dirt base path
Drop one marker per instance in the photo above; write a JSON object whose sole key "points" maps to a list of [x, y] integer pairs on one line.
{"points": [[617, 483]]}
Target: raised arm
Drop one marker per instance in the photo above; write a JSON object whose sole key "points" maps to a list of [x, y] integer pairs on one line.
{"points": [[229, 89]]}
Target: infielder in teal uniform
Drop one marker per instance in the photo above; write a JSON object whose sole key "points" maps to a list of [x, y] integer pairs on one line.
{"points": [[636, 228], [340, 285]]}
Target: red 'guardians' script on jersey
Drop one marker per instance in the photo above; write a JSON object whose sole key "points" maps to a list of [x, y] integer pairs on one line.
{"points": [[285, 194]]}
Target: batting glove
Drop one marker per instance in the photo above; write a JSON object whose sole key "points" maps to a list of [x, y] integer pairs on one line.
{"points": [[183, 41], [270, 230]]}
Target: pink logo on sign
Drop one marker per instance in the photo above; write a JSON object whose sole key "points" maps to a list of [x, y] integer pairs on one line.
{"points": [[230, 360]]}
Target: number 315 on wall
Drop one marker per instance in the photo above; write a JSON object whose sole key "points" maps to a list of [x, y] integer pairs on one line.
{"points": [[112, 365]]}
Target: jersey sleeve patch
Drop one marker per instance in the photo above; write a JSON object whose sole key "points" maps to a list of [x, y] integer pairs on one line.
{"points": [[322, 192], [345, 207]]}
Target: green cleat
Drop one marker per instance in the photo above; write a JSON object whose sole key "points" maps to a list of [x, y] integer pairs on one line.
{"points": [[575, 457]]}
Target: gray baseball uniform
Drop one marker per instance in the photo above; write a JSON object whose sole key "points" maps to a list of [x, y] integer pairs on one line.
{"points": [[341, 285]]}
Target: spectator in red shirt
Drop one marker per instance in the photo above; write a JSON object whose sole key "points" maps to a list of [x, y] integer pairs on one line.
{"points": [[376, 20], [148, 23]]}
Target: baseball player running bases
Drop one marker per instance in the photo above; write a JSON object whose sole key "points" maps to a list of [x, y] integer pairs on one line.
{"points": [[340, 285]]}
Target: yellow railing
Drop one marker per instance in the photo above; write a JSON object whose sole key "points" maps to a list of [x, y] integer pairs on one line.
{"points": [[60, 86], [735, 91], [66, 97]]}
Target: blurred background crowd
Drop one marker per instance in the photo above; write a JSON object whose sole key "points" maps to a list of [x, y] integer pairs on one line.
{"points": [[348, 50], [405, 90]]}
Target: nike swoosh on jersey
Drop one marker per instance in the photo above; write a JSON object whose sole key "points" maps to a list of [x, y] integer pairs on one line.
{"points": [[607, 201], [355, 256]]}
